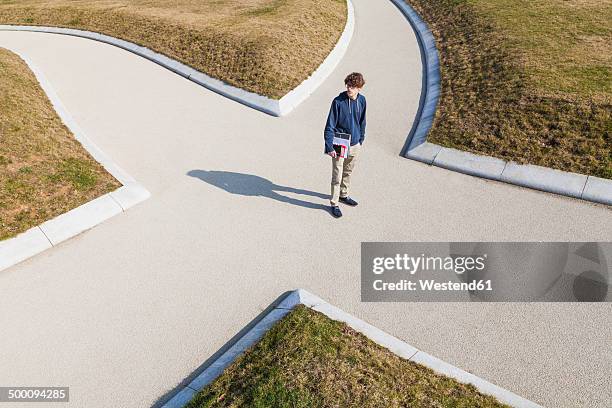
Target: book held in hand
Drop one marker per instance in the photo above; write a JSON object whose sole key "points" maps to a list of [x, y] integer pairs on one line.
{"points": [[342, 144]]}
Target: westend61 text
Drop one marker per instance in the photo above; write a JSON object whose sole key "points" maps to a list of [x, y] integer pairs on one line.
{"points": [[431, 285]]}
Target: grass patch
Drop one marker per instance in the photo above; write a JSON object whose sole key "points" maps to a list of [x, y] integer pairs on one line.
{"points": [[308, 360], [264, 46], [44, 171], [528, 81]]}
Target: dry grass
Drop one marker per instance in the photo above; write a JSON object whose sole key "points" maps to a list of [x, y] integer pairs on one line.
{"points": [[528, 81], [308, 361], [264, 46], [565, 46], [44, 171]]}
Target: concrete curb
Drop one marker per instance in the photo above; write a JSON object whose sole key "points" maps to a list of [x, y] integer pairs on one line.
{"points": [[575, 185], [274, 107], [401, 348], [425, 152], [598, 190], [469, 163], [86, 216], [430, 90], [545, 179], [588, 188], [296, 96]]}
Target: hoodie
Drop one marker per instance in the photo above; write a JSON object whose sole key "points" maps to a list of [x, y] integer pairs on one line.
{"points": [[346, 116]]}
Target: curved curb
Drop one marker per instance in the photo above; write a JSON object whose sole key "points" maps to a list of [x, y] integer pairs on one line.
{"points": [[79, 219], [296, 96], [393, 344], [430, 89], [560, 182], [274, 107]]}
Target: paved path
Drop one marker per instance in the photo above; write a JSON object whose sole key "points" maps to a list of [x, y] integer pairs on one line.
{"points": [[124, 312]]}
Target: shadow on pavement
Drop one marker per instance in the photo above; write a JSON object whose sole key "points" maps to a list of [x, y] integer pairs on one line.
{"points": [[250, 185]]}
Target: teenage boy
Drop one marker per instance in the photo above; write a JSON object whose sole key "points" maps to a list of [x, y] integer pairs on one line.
{"points": [[346, 115]]}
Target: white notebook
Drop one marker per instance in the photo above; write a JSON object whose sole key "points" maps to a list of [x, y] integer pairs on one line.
{"points": [[342, 144]]}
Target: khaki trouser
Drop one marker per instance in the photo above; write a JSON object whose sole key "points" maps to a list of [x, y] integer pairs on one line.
{"points": [[342, 169]]}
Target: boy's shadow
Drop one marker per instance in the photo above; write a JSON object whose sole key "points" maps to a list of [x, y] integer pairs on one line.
{"points": [[250, 185]]}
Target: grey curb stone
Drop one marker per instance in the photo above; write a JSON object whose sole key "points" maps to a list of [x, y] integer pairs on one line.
{"points": [[274, 107], [249, 339], [23, 246], [395, 345], [431, 79], [425, 152], [299, 297], [126, 45], [543, 178], [468, 378], [253, 100], [469, 163], [180, 399], [77, 220], [598, 190], [129, 195]]}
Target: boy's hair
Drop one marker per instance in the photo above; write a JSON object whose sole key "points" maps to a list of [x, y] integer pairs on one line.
{"points": [[354, 80]]}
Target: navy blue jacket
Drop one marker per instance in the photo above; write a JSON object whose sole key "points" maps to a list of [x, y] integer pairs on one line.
{"points": [[346, 116]]}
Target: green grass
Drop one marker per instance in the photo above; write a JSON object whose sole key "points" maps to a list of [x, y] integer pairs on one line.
{"points": [[264, 46], [308, 360], [527, 81], [565, 46], [44, 171]]}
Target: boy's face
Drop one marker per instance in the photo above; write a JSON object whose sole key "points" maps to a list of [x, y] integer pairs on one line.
{"points": [[352, 91]]}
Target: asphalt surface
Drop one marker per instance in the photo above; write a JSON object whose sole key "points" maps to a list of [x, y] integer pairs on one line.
{"points": [[126, 311]]}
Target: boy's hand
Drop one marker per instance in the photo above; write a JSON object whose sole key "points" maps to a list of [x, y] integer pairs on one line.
{"points": [[332, 154]]}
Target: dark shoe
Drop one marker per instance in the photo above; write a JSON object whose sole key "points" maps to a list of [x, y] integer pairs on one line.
{"points": [[348, 201], [335, 210]]}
